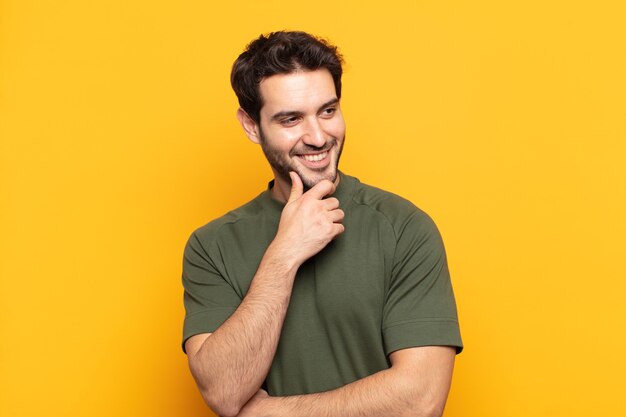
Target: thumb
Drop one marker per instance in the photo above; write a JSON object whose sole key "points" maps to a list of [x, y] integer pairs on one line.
{"points": [[296, 187]]}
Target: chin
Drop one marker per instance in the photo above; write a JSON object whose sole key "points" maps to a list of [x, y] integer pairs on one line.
{"points": [[310, 181]]}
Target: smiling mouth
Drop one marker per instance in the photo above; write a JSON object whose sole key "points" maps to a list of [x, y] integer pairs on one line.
{"points": [[314, 158]]}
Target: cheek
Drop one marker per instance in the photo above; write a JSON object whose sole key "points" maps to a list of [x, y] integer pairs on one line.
{"points": [[283, 139], [290, 136], [337, 128]]}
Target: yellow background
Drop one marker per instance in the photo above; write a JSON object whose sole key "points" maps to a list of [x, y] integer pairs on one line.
{"points": [[505, 121]]}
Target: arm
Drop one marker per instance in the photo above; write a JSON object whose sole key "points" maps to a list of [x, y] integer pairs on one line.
{"points": [[230, 364], [417, 384]]}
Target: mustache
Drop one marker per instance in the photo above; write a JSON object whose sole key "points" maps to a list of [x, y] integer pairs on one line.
{"points": [[310, 148]]}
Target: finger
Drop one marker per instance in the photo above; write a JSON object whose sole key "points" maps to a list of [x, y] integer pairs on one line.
{"points": [[296, 187], [330, 203], [321, 189], [338, 229], [336, 215]]}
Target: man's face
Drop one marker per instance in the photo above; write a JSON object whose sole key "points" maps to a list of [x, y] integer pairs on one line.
{"points": [[301, 126]]}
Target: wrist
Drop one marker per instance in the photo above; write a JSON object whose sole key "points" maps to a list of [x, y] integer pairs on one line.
{"points": [[266, 406], [281, 254]]}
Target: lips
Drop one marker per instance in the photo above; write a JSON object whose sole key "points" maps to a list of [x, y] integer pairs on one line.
{"points": [[315, 158], [315, 161]]}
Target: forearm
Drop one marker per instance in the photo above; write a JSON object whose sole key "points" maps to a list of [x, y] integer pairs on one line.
{"points": [[381, 394], [385, 393], [233, 362]]}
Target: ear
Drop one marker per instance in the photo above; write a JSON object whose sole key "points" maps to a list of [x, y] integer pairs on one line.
{"points": [[249, 125]]}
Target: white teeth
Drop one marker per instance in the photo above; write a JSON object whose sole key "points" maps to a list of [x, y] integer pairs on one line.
{"points": [[315, 158]]}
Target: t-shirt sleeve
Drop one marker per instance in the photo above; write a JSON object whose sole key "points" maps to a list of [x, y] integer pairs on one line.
{"points": [[209, 299], [420, 309]]}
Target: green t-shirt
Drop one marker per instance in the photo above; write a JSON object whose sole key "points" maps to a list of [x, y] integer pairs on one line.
{"points": [[381, 286]]}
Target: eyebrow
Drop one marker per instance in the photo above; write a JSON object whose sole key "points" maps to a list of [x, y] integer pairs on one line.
{"points": [[287, 113]]}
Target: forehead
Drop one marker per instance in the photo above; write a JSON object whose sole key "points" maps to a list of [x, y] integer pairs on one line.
{"points": [[296, 91]]}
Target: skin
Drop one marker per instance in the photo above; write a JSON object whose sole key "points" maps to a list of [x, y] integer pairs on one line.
{"points": [[301, 118]]}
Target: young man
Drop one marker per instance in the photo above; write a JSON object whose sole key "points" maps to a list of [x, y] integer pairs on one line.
{"points": [[322, 296]]}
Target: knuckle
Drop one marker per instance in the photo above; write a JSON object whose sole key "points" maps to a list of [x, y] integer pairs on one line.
{"points": [[325, 185]]}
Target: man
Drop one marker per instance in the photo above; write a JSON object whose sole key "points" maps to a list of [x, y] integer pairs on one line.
{"points": [[322, 296]]}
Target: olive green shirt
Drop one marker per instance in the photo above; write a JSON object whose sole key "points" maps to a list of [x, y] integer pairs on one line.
{"points": [[381, 286]]}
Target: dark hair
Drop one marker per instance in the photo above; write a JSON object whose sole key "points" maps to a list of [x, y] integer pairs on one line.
{"points": [[280, 53]]}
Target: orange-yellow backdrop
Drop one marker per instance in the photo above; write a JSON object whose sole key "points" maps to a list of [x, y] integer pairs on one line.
{"points": [[503, 120]]}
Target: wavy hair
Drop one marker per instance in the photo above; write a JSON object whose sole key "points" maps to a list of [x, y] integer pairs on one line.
{"points": [[280, 53]]}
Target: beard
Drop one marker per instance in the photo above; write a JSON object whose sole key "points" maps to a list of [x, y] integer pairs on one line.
{"points": [[282, 165]]}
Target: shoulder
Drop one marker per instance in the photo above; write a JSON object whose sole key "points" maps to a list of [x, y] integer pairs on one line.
{"points": [[396, 210], [204, 236]]}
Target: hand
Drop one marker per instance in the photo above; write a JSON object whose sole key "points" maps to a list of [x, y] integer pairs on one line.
{"points": [[252, 407], [308, 221]]}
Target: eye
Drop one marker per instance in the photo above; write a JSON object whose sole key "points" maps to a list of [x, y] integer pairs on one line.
{"points": [[328, 112], [290, 121]]}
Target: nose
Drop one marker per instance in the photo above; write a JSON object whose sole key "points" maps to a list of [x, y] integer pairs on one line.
{"points": [[314, 134]]}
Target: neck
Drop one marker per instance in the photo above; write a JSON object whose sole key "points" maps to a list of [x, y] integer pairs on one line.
{"points": [[281, 190]]}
